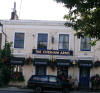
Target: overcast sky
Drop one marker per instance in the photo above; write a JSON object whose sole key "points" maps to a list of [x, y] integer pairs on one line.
{"points": [[33, 9]]}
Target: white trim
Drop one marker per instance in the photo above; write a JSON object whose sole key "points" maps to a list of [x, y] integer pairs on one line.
{"points": [[24, 39], [58, 39], [85, 58], [33, 22], [19, 54]]}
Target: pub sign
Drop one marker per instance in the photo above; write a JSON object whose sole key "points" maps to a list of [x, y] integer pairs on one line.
{"points": [[52, 52]]}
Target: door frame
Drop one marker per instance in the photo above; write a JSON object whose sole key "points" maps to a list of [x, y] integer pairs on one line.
{"points": [[88, 76]]}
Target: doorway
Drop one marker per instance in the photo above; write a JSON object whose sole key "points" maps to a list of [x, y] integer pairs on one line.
{"points": [[84, 77], [63, 70]]}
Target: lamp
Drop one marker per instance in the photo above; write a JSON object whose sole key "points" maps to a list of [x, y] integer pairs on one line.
{"points": [[52, 40]]}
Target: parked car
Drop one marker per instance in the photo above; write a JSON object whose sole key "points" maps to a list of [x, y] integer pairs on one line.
{"points": [[51, 83]]}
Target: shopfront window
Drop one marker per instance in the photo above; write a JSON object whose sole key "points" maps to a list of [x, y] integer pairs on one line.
{"points": [[85, 44], [40, 70], [42, 41], [62, 70], [64, 42], [19, 40], [17, 74]]}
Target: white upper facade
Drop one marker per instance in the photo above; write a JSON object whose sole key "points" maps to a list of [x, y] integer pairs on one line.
{"points": [[53, 29]]}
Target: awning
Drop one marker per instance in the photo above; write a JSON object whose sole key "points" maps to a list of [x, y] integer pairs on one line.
{"points": [[17, 61], [63, 62], [40, 61], [85, 63]]}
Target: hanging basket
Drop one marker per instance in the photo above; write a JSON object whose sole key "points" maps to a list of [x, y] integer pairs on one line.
{"points": [[28, 61], [52, 65]]}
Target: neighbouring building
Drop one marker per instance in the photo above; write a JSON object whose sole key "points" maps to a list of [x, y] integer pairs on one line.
{"points": [[52, 48]]}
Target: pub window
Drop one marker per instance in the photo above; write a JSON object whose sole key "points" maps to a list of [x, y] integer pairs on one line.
{"points": [[63, 42], [85, 44], [19, 40], [17, 74], [42, 41], [40, 70]]}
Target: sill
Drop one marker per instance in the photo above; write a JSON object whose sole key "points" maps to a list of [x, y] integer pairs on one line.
{"points": [[86, 50]]}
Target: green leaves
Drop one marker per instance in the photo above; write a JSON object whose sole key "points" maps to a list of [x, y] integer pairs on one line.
{"points": [[84, 17], [5, 68]]}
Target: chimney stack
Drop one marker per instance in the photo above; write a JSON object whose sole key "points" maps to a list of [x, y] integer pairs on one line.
{"points": [[14, 15]]}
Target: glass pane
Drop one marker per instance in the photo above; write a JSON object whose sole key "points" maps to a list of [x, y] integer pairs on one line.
{"points": [[61, 38], [85, 43], [52, 79], [65, 46], [40, 70], [19, 36], [63, 41], [66, 39], [42, 41], [19, 40], [60, 46]]}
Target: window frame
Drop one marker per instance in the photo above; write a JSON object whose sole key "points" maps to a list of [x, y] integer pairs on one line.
{"points": [[85, 46], [46, 43], [23, 40], [66, 42], [37, 69]]}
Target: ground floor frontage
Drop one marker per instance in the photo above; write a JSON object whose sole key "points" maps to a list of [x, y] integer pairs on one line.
{"points": [[80, 71]]}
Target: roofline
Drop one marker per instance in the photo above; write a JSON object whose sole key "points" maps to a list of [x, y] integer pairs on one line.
{"points": [[33, 22]]}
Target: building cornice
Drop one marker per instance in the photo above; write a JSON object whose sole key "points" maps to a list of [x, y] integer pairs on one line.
{"points": [[33, 22]]}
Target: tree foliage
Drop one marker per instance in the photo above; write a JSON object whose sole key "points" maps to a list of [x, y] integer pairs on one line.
{"points": [[5, 68], [84, 17]]}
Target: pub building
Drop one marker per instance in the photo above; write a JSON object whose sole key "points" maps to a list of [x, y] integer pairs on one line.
{"points": [[49, 48]]}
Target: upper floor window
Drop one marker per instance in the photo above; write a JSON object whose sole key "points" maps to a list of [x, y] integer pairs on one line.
{"points": [[42, 41], [64, 41], [85, 44], [19, 40]]}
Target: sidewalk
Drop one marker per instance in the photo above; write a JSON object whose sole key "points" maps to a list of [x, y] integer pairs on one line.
{"points": [[15, 89], [19, 89]]}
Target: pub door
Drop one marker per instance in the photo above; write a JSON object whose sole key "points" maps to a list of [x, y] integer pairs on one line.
{"points": [[84, 77], [63, 70]]}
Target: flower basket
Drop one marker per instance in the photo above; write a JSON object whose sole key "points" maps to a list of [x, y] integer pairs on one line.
{"points": [[95, 81], [28, 61], [17, 76]]}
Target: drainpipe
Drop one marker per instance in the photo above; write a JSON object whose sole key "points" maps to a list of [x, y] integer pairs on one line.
{"points": [[3, 32]]}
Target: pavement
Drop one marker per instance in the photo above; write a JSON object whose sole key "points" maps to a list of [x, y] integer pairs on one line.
{"points": [[19, 89], [15, 89]]}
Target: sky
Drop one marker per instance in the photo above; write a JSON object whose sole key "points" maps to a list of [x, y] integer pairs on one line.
{"points": [[33, 9]]}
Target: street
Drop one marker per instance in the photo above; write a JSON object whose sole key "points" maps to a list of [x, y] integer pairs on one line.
{"points": [[5, 91], [14, 92]]}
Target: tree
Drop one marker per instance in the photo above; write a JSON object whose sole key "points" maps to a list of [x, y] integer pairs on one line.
{"points": [[5, 67], [84, 17]]}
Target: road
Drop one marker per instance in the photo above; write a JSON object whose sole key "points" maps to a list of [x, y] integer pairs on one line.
{"points": [[5, 91], [45, 92], [13, 92]]}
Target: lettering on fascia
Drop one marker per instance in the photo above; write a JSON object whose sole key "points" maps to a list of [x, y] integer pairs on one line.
{"points": [[63, 52], [50, 52], [38, 51]]}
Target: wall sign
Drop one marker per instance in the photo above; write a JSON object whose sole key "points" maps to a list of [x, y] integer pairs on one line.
{"points": [[53, 52]]}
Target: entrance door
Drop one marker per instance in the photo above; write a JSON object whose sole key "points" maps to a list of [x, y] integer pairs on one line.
{"points": [[63, 70], [84, 77], [40, 70]]}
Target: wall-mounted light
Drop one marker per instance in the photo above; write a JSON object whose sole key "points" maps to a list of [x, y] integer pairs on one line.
{"points": [[33, 35], [52, 40]]}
